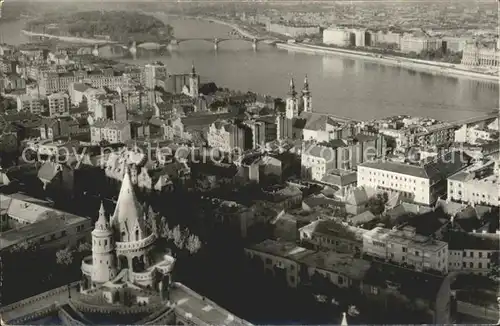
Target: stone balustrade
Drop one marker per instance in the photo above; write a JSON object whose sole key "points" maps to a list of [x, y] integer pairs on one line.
{"points": [[67, 319], [42, 312], [86, 266], [38, 297], [122, 247], [143, 276], [122, 310]]}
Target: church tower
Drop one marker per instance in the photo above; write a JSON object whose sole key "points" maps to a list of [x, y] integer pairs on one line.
{"points": [[306, 96], [193, 83], [103, 258], [292, 102]]}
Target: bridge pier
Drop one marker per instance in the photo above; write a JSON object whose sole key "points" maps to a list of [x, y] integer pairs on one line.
{"points": [[254, 44], [173, 45], [216, 44], [95, 51], [133, 48]]}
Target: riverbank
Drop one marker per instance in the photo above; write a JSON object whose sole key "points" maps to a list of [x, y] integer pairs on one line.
{"points": [[413, 64], [71, 39], [437, 68]]}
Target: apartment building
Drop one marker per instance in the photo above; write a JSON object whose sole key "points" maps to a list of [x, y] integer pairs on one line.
{"points": [[423, 183], [405, 247], [317, 159], [30, 103], [59, 104], [376, 283], [476, 185], [153, 72], [110, 131], [475, 134], [32, 221], [52, 82], [472, 252], [292, 30], [332, 235], [418, 44], [226, 136]]}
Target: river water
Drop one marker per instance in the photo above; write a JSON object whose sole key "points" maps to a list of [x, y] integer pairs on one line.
{"points": [[341, 86]]}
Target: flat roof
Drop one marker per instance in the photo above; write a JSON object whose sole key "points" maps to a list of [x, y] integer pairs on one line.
{"points": [[282, 249], [399, 236], [191, 305], [340, 263], [38, 229]]}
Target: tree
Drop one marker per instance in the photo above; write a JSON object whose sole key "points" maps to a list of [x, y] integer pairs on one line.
{"points": [[193, 244], [164, 229], [178, 237], [84, 247], [376, 204], [64, 256]]}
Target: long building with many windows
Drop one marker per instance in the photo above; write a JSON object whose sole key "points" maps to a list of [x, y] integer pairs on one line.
{"points": [[423, 183]]}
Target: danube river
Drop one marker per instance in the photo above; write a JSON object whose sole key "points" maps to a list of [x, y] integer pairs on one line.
{"points": [[341, 86]]}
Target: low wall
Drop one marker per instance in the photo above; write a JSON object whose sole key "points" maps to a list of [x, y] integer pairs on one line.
{"points": [[38, 297], [478, 311], [42, 312]]}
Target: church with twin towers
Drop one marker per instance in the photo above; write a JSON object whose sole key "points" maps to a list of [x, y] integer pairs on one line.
{"points": [[295, 103]]}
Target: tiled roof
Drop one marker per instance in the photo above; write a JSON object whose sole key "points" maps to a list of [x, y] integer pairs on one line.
{"points": [[407, 169], [335, 229], [360, 195], [362, 218]]}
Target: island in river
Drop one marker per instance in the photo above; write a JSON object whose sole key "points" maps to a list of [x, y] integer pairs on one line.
{"points": [[117, 26]]}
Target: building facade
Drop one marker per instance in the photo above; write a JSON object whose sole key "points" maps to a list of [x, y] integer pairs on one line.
{"points": [[110, 131], [477, 185], [423, 183], [405, 247], [59, 104]]}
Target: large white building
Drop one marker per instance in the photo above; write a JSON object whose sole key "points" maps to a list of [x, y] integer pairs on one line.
{"points": [[405, 247], [336, 36], [417, 44], [476, 185], [423, 183]]}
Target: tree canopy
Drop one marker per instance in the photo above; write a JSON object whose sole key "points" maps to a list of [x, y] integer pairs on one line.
{"points": [[122, 26]]}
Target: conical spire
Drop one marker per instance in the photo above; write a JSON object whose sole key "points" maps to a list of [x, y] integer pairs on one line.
{"points": [[292, 88], [193, 69], [128, 210], [102, 222], [344, 320], [306, 85]]}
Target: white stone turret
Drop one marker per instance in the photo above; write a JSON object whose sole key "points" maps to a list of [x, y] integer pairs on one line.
{"points": [[103, 257], [292, 102], [306, 96]]}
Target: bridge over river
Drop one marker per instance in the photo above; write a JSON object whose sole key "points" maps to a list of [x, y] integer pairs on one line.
{"points": [[171, 44]]}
